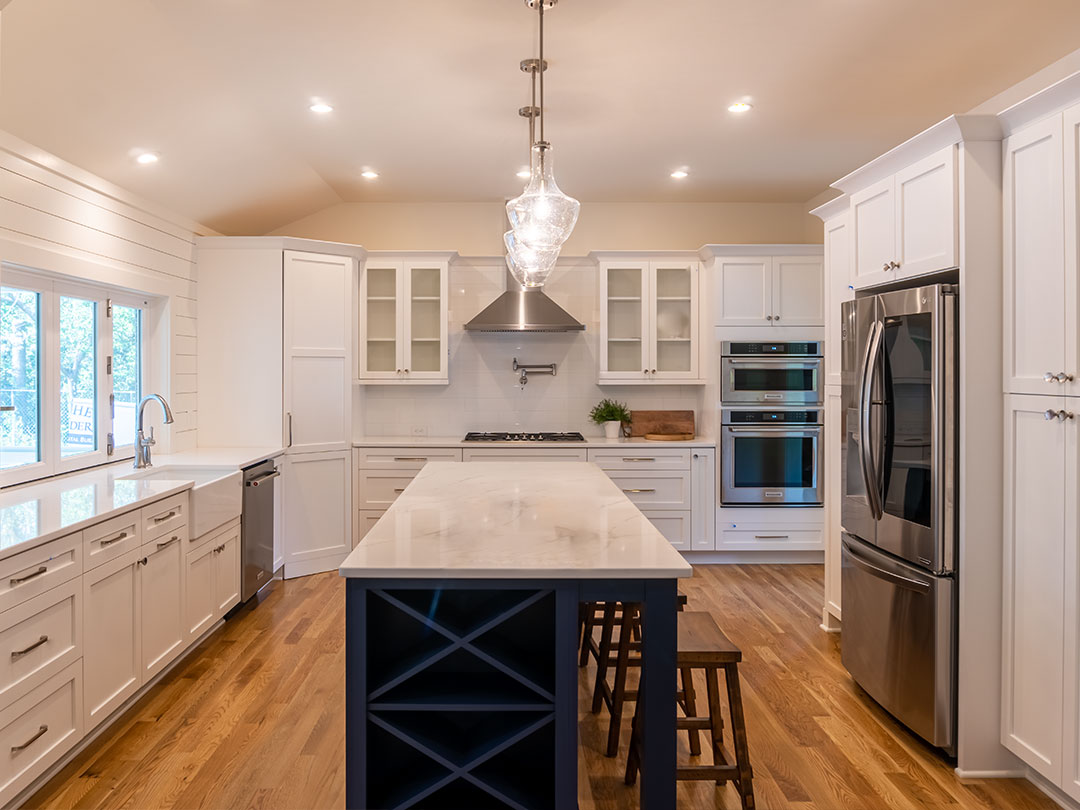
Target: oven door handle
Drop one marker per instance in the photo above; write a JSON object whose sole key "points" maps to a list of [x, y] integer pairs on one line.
{"points": [[866, 455], [812, 362], [802, 430]]}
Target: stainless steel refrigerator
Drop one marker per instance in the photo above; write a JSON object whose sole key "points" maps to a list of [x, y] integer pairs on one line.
{"points": [[899, 575]]}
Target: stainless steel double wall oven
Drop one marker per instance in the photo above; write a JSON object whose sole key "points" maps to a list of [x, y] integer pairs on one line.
{"points": [[771, 423], [898, 508]]}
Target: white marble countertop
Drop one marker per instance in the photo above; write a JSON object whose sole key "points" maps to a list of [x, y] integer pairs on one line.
{"points": [[593, 442], [44, 510], [514, 520]]}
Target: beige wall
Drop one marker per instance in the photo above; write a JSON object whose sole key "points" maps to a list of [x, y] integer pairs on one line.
{"points": [[475, 229]]}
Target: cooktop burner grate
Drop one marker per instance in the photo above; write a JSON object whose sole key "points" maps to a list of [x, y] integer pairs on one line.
{"points": [[504, 436]]}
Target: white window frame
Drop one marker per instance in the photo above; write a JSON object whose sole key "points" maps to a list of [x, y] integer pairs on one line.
{"points": [[50, 289]]}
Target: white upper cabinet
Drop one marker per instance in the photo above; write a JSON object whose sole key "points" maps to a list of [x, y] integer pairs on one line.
{"points": [[649, 321], [318, 340], [769, 291], [906, 225], [838, 288], [1039, 316], [403, 322]]}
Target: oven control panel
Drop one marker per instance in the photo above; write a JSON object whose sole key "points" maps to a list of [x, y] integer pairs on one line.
{"points": [[754, 417], [804, 348]]}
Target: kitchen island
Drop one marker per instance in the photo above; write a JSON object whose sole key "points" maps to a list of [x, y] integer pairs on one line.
{"points": [[461, 633]]}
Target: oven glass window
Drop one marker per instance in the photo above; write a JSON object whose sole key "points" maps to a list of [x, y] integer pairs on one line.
{"points": [[773, 379], [775, 462]]}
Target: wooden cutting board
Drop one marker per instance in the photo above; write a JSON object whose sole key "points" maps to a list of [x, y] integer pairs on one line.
{"points": [[662, 422]]}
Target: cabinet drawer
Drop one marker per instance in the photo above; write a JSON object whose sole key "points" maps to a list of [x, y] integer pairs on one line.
{"points": [[107, 541], [35, 571], [38, 729], [379, 489], [659, 490], [770, 539], [404, 458], [675, 526], [164, 516], [191, 543], [645, 458], [525, 454], [367, 518], [39, 638]]}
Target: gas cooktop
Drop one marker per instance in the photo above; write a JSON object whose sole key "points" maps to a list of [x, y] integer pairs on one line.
{"points": [[524, 437]]}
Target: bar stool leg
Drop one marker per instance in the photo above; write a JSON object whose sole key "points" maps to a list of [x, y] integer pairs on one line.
{"points": [[712, 685], [633, 762], [690, 707], [587, 620], [618, 693], [738, 734], [604, 654]]}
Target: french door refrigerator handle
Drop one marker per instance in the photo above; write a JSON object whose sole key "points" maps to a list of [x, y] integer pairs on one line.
{"points": [[896, 579], [866, 454]]}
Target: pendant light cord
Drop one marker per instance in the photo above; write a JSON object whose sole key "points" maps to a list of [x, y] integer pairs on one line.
{"points": [[542, 110]]}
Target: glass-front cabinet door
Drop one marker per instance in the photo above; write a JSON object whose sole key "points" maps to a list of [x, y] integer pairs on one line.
{"points": [[624, 350], [381, 353], [674, 320], [403, 322], [648, 321]]}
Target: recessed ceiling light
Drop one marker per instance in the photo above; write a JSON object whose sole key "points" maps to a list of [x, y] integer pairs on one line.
{"points": [[524, 174], [740, 107], [368, 174], [320, 107], [679, 174], [146, 158]]}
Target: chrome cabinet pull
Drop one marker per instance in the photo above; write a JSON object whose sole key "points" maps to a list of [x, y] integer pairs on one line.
{"points": [[290, 429], [772, 536], [399, 489], [163, 518], [17, 654], [28, 577], [17, 748], [639, 490], [639, 459], [168, 542], [407, 458], [116, 539]]}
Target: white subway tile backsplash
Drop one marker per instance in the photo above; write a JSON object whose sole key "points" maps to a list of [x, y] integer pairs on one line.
{"points": [[484, 393]]}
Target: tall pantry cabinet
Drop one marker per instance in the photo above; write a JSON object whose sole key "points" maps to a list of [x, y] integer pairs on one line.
{"points": [[1041, 617], [276, 364]]}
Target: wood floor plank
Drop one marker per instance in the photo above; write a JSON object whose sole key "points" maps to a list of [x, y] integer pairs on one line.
{"points": [[254, 718]]}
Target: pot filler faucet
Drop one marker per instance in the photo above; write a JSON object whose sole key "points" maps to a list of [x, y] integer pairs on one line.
{"points": [[142, 442], [525, 369]]}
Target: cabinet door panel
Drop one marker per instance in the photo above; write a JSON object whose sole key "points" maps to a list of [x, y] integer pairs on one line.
{"points": [[162, 589], [624, 321], [1035, 287], [926, 215], [703, 499], [873, 234], [798, 291], [317, 511], [227, 571], [318, 351], [425, 324], [1072, 247], [381, 309], [199, 604], [112, 655], [1033, 604], [837, 290], [744, 291], [673, 317]]}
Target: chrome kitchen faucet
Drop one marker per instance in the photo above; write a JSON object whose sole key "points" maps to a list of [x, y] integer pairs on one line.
{"points": [[144, 443]]}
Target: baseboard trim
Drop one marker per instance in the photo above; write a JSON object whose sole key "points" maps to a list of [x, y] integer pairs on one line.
{"points": [[316, 565], [1053, 791], [830, 622], [1002, 774]]}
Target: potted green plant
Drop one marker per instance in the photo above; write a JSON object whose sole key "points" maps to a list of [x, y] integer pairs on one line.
{"points": [[611, 415]]}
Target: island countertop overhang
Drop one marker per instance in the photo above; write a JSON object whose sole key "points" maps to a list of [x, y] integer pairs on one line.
{"points": [[514, 520]]}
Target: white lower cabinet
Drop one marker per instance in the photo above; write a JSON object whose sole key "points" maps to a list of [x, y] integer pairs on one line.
{"points": [[211, 578], [703, 499], [227, 571], [39, 638], [1040, 578], [675, 526], [112, 657], [316, 511], [162, 602], [39, 728]]}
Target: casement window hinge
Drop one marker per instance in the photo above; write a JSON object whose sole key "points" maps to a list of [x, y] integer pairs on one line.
{"points": [[110, 444], [108, 307], [108, 364]]}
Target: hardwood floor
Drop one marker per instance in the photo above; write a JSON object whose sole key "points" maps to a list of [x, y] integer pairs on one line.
{"points": [[253, 719]]}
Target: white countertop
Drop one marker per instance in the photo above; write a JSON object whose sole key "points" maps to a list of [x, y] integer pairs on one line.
{"points": [[514, 520], [39, 512], [590, 442]]}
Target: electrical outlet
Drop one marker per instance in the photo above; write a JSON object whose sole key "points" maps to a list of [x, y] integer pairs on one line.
{"points": [[419, 431]]}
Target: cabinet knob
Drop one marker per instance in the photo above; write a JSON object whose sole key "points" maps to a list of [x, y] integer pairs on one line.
{"points": [[1065, 415], [1062, 377], [696, 455], [406, 371], [894, 265], [654, 371], [399, 371], [1049, 377], [1049, 415], [886, 267], [776, 317], [768, 317]]}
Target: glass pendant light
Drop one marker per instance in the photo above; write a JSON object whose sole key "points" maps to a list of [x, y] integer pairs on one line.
{"points": [[543, 217], [529, 266]]}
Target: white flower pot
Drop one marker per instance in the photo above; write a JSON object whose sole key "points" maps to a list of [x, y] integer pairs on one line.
{"points": [[612, 429]]}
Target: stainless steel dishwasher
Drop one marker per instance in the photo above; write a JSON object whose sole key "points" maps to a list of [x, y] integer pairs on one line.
{"points": [[257, 527]]}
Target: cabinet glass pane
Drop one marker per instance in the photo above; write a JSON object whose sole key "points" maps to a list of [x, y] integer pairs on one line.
{"points": [[20, 342], [78, 376], [381, 319], [625, 343], [673, 282], [425, 340], [673, 355], [624, 282], [425, 282]]}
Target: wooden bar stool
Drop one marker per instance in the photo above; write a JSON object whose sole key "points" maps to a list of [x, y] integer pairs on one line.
{"points": [[620, 654], [703, 645]]}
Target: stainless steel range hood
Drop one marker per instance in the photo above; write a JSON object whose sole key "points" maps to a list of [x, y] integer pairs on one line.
{"points": [[523, 309]]}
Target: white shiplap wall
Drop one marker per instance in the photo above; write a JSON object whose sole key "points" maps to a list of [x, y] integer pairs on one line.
{"points": [[57, 218]]}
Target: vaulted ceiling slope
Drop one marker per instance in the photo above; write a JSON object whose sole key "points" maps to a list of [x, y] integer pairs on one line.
{"points": [[426, 92]]}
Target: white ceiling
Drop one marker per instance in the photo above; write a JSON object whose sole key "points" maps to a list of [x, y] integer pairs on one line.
{"points": [[427, 91]]}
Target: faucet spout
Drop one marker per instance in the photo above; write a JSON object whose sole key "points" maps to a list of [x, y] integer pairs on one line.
{"points": [[143, 443]]}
